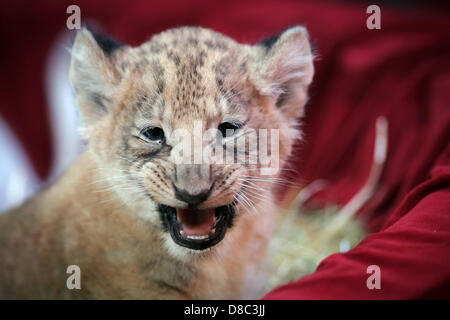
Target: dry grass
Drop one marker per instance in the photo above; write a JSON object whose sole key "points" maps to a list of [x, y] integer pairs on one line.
{"points": [[302, 239]]}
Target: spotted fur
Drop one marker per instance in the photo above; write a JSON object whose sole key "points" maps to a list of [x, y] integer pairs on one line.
{"points": [[103, 213]]}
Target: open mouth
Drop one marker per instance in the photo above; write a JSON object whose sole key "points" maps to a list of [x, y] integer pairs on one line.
{"points": [[197, 229]]}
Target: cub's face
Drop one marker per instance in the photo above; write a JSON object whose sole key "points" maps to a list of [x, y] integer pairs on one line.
{"points": [[174, 124]]}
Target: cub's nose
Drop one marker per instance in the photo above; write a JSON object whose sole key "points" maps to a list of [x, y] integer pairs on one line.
{"points": [[192, 200]]}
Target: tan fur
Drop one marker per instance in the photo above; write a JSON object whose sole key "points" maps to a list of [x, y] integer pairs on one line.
{"points": [[102, 214]]}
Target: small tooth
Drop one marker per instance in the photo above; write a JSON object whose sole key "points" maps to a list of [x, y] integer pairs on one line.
{"points": [[182, 232], [213, 230], [195, 237]]}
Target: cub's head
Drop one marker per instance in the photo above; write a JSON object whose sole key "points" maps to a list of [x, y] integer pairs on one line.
{"points": [[189, 129]]}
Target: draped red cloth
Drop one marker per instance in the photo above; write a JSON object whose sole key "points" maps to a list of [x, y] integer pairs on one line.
{"points": [[401, 72]]}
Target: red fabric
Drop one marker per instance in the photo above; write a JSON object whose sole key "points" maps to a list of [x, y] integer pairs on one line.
{"points": [[401, 71], [413, 254]]}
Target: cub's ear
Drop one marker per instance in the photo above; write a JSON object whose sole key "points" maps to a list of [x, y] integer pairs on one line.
{"points": [[93, 73], [285, 69]]}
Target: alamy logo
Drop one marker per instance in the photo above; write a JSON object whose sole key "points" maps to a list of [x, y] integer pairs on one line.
{"points": [[74, 20], [374, 20], [374, 281], [259, 147], [74, 280]]}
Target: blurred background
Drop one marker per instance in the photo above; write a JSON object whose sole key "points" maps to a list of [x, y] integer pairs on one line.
{"points": [[400, 72]]}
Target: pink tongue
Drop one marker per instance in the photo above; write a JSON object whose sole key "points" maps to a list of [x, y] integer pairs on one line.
{"points": [[196, 222]]}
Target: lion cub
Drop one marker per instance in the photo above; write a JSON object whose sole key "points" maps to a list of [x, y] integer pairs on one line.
{"points": [[139, 219]]}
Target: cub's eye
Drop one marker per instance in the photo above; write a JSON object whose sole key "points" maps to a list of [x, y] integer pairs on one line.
{"points": [[153, 134], [227, 129]]}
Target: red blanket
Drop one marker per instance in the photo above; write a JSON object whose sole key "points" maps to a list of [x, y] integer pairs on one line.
{"points": [[401, 71]]}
